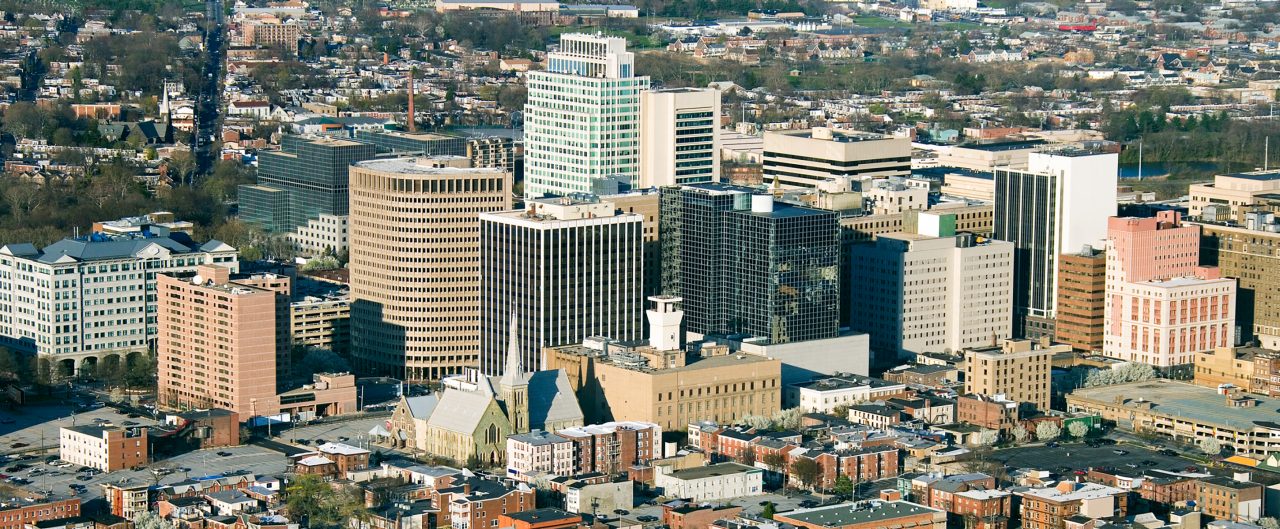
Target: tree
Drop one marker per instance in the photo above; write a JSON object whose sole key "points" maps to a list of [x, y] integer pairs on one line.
{"points": [[1047, 431], [768, 511], [749, 457], [1078, 429], [305, 497], [1020, 434], [806, 471], [987, 438], [319, 360], [326, 262], [142, 373], [844, 486], [1121, 374], [1269, 523], [775, 461], [1209, 446], [151, 520]]}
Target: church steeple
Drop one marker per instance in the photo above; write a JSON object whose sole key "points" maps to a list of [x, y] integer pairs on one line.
{"points": [[515, 385]]}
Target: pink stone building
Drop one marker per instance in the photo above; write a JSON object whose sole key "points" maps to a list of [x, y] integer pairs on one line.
{"points": [[1162, 307]]}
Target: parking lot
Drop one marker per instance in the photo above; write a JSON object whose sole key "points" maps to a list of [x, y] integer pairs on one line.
{"points": [[1078, 456], [201, 463], [33, 425], [355, 431]]}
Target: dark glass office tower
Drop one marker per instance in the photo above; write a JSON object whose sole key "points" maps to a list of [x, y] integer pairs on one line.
{"points": [[1026, 215], [746, 265], [313, 171]]}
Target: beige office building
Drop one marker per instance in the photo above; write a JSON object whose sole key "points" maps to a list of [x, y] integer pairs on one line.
{"points": [[657, 382], [1017, 369], [931, 290], [415, 257], [678, 136], [801, 159], [220, 343], [1236, 192]]}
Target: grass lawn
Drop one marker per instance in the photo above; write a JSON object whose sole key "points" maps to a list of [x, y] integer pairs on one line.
{"points": [[880, 22]]}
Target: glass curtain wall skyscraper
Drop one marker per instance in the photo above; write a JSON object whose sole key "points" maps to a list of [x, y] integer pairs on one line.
{"points": [[582, 121], [748, 266]]}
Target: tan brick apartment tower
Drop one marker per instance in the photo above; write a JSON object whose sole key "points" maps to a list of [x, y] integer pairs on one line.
{"points": [[1082, 291], [415, 259], [220, 342]]}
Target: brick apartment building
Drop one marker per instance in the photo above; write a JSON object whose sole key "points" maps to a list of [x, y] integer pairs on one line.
{"points": [[21, 514], [106, 449]]}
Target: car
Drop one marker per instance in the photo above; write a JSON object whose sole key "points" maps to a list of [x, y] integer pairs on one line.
{"points": [[1191, 468], [1051, 444], [320, 441], [808, 504], [1149, 463], [343, 439], [647, 518], [133, 416], [1131, 465], [224, 454], [129, 423], [1169, 452], [17, 468], [1106, 441], [621, 512], [184, 469], [1120, 452], [302, 441], [19, 445], [83, 478]]}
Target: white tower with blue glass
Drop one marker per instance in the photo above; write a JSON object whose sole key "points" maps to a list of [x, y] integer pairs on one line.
{"points": [[582, 121]]}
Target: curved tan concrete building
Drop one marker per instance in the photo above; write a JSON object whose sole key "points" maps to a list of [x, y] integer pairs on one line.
{"points": [[415, 258]]}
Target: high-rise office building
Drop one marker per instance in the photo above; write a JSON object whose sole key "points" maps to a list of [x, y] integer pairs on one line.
{"points": [[678, 136], [931, 291], [221, 340], [92, 301], [307, 177], [1247, 253], [582, 121], [745, 264], [1058, 205], [567, 268], [415, 263], [1162, 307], [801, 159], [1081, 299]]}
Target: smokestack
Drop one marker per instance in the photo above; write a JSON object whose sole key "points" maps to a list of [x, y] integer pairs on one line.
{"points": [[410, 119]]}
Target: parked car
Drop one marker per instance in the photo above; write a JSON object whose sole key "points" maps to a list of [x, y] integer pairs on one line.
{"points": [[1120, 452], [224, 454]]}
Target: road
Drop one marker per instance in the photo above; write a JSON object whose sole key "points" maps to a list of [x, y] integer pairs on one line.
{"points": [[209, 99]]}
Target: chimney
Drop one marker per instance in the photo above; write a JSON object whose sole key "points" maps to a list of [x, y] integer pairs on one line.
{"points": [[411, 118]]}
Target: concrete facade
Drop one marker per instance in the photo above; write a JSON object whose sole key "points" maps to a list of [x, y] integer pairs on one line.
{"points": [[678, 139], [415, 256]]}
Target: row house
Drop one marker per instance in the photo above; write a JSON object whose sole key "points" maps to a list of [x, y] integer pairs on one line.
{"points": [[610, 448]]}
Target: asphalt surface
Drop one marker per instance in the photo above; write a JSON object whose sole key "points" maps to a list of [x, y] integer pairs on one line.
{"points": [[1078, 456]]}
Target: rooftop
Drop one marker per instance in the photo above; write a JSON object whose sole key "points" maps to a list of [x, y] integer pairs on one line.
{"points": [[721, 469], [419, 166], [1256, 175], [1081, 491], [1195, 403], [857, 513]]}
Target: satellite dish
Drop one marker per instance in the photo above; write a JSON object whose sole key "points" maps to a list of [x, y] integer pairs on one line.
{"points": [[197, 280]]}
